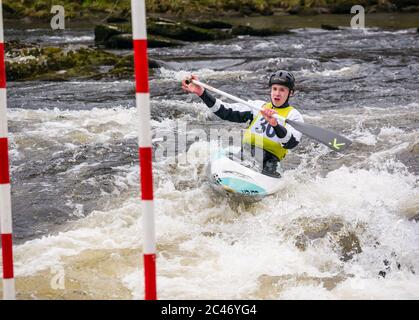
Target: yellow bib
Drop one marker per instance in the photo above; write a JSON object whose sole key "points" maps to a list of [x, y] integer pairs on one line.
{"points": [[261, 134]]}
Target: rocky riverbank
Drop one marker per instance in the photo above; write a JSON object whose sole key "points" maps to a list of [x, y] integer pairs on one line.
{"points": [[32, 62], [169, 33], [35, 62], [169, 24]]}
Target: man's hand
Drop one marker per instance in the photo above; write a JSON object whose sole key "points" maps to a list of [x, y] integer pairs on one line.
{"points": [[268, 115], [192, 88]]}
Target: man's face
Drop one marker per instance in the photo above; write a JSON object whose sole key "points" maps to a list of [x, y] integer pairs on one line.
{"points": [[279, 94]]}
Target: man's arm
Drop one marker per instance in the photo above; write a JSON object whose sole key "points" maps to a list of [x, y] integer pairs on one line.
{"points": [[226, 111], [289, 137]]}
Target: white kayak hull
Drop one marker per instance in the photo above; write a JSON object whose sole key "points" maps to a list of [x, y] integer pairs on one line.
{"points": [[233, 177]]}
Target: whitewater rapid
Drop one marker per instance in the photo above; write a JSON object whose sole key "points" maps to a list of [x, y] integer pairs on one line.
{"points": [[345, 226]]}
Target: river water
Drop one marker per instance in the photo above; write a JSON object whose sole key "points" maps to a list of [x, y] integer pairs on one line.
{"points": [[344, 226]]}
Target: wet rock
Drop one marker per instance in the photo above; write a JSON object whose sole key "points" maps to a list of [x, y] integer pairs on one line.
{"points": [[382, 274], [409, 157], [91, 274], [169, 33], [15, 44], [160, 42], [410, 9], [119, 41], [105, 32], [343, 239], [124, 41], [58, 64], [154, 64], [264, 32], [410, 209], [269, 286], [329, 27], [124, 69], [161, 33], [184, 31], [390, 265], [211, 24], [349, 246]]}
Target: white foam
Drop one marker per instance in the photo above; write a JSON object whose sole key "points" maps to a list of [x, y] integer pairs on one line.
{"points": [[344, 71], [67, 39], [209, 249], [19, 59], [306, 292], [263, 45], [298, 46], [204, 74], [73, 127], [400, 287]]}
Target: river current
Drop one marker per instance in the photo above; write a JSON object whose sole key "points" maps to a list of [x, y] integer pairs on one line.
{"points": [[344, 227]]}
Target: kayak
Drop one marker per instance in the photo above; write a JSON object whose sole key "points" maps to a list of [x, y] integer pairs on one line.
{"points": [[233, 177]]}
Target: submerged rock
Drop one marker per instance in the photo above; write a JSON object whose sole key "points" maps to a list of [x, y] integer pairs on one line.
{"points": [[211, 24], [160, 42], [329, 27], [169, 33], [120, 37], [270, 286], [16, 44], [184, 31], [335, 230], [264, 32], [409, 157], [105, 32], [119, 41]]}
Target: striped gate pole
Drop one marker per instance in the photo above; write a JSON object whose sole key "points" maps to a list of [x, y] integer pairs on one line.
{"points": [[5, 198], [144, 140]]}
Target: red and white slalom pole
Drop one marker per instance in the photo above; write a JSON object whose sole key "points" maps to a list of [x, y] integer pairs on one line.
{"points": [[145, 151], [5, 199]]}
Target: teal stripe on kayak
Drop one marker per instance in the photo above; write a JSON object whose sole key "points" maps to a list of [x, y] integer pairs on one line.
{"points": [[242, 186]]}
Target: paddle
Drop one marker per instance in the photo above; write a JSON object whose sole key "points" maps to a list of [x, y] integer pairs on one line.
{"points": [[329, 138]]}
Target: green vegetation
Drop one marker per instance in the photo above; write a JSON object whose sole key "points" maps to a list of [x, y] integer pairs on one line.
{"points": [[52, 63], [120, 9]]}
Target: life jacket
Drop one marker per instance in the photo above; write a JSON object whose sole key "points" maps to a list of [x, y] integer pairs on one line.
{"points": [[261, 134]]}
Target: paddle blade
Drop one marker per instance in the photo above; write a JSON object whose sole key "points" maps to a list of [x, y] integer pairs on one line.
{"points": [[329, 138]]}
